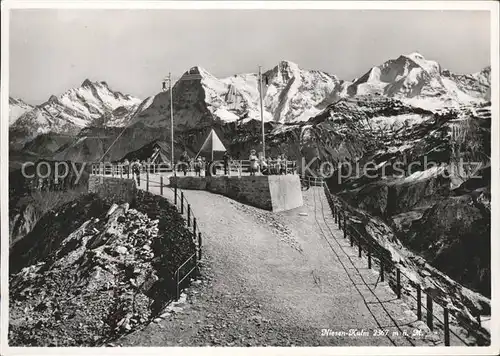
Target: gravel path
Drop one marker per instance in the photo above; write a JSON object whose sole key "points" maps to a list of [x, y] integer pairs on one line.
{"points": [[280, 279]]}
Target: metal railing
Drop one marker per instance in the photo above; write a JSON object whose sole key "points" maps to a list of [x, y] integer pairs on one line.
{"points": [[235, 167], [388, 269]]}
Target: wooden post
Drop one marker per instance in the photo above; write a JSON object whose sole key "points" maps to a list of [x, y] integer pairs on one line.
{"points": [[335, 215], [369, 256], [351, 236], [161, 185], [189, 215], [112, 170], [345, 227], [359, 247], [446, 327], [128, 171], [419, 302], [182, 203], [175, 195], [398, 283], [194, 227], [121, 171], [381, 269], [199, 246], [340, 221], [147, 180], [429, 312]]}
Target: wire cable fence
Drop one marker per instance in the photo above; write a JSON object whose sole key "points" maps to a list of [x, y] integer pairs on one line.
{"points": [[437, 316]]}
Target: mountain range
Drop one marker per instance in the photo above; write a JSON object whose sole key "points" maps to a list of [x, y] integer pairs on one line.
{"points": [[290, 95], [92, 103]]}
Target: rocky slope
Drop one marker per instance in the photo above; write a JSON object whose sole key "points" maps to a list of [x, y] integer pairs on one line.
{"points": [[464, 304], [90, 272], [412, 177]]}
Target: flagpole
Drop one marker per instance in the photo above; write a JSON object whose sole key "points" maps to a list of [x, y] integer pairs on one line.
{"points": [[171, 119], [262, 113]]}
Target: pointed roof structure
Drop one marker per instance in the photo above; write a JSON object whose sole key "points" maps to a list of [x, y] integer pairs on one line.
{"points": [[212, 144]]}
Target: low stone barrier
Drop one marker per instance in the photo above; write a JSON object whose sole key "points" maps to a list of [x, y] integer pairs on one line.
{"points": [[120, 190], [274, 193]]}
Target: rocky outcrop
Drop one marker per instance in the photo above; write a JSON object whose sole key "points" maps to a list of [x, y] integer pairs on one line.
{"points": [[91, 271], [24, 221]]}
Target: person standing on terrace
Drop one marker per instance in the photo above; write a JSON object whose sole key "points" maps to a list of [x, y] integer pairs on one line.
{"points": [[184, 162], [226, 159], [253, 162]]}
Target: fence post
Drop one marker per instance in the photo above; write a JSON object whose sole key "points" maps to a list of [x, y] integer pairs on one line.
{"points": [[335, 215], [121, 171], [112, 170], [161, 185], [340, 221], [199, 246], [147, 180], [369, 256], [344, 226], [398, 283], [182, 203], [446, 327], [128, 171], [352, 238], [359, 247], [429, 312], [194, 227], [381, 269], [175, 195], [419, 302], [189, 215]]}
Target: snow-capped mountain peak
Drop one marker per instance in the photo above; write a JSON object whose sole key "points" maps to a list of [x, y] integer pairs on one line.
{"points": [[196, 70], [88, 104], [420, 82], [17, 108], [431, 67]]}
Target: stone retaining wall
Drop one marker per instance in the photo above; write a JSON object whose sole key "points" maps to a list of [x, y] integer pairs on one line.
{"points": [[275, 193], [120, 190]]}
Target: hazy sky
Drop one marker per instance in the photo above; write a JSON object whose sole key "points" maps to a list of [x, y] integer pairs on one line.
{"points": [[54, 50]]}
